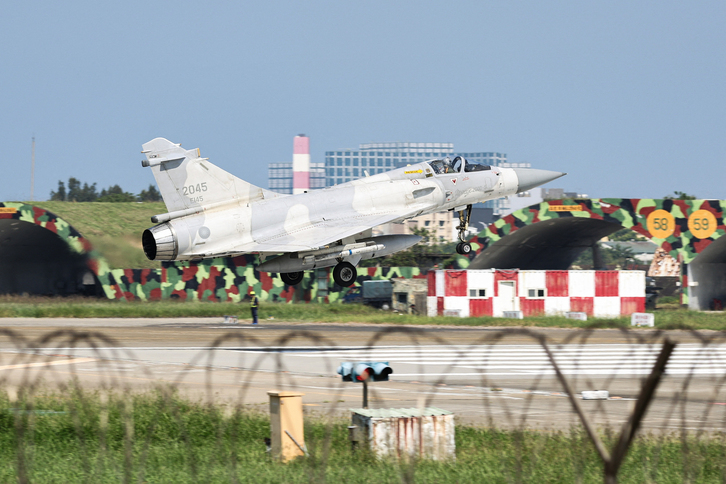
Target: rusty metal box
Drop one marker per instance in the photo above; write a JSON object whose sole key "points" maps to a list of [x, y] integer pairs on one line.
{"points": [[406, 432]]}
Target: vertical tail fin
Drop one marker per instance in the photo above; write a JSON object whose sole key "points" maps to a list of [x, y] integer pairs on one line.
{"points": [[186, 180]]}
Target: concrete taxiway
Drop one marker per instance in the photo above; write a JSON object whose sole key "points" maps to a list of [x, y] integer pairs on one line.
{"points": [[483, 375]]}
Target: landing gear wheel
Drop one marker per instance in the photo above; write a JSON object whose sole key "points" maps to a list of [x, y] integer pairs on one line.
{"points": [[463, 248], [344, 274], [292, 278]]}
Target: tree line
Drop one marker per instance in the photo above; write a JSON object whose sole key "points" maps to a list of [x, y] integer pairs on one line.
{"points": [[83, 192]]}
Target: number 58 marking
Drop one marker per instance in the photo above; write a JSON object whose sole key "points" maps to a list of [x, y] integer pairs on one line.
{"points": [[661, 224]]}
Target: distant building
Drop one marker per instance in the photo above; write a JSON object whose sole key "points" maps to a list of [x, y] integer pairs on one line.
{"points": [[559, 194], [346, 165], [523, 199], [440, 226], [535, 196], [280, 177]]}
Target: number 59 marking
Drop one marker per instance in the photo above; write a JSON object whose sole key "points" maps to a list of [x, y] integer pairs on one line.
{"points": [[702, 224]]}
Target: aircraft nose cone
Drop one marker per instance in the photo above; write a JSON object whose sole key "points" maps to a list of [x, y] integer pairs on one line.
{"points": [[530, 178]]}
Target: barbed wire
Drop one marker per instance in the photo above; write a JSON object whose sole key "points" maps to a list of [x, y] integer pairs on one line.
{"points": [[676, 396]]}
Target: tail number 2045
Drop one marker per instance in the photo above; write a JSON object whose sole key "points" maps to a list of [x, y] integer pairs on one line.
{"points": [[192, 189]]}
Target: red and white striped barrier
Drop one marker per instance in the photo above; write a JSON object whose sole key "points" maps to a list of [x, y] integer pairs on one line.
{"points": [[490, 292]]}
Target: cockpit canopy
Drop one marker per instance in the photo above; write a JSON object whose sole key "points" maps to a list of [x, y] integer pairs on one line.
{"points": [[444, 166]]}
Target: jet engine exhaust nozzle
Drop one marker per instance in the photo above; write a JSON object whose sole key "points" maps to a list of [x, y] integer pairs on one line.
{"points": [[160, 242]]}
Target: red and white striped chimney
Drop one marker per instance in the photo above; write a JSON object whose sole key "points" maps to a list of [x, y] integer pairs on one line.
{"points": [[300, 164]]}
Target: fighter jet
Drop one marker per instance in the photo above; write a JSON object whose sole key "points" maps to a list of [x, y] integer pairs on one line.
{"points": [[212, 213]]}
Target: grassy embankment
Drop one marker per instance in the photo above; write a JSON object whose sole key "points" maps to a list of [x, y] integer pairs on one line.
{"points": [[79, 437], [76, 307], [114, 229]]}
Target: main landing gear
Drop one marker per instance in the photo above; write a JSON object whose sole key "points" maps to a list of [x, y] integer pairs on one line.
{"points": [[463, 247], [292, 278], [344, 274]]}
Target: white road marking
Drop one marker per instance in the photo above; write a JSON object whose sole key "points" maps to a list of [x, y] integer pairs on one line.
{"points": [[446, 360], [47, 363], [527, 360]]}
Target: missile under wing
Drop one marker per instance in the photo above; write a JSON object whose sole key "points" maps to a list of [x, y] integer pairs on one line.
{"points": [[212, 213]]}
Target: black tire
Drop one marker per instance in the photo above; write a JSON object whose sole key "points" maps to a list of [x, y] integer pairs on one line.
{"points": [[292, 278], [345, 274], [463, 248]]}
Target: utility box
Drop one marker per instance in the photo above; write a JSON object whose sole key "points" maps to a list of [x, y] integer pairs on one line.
{"points": [[406, 433], [287, 437]]}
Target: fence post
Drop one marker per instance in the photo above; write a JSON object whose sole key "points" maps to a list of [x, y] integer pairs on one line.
{"points": [[630, 428], [612, 461]]}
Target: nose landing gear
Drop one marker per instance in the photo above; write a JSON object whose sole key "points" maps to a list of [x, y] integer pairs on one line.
{"points": [[463, 247]]}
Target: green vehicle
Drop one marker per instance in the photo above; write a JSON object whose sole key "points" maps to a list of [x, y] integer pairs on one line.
{"points": [[377, 294]]}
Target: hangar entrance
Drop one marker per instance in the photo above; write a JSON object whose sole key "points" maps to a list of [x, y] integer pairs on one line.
{"points": [[706, 281], [547, 245], [34, 260]]}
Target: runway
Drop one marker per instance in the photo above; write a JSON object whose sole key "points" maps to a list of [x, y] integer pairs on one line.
{"points": [[483, 375]]}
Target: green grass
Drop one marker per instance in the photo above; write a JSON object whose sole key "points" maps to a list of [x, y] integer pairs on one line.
{"points": [[160, 438], [114, 229], [106, 219], [78, 307]]}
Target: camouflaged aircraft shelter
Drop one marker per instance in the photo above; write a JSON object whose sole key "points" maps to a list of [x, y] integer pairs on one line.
{"points": [[550, 235], [40, 253]]}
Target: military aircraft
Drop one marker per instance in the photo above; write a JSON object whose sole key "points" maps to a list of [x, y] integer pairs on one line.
{"points": [[212, 213]]}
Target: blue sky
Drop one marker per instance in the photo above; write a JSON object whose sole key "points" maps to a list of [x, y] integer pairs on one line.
{"points": [[629, 98]]}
